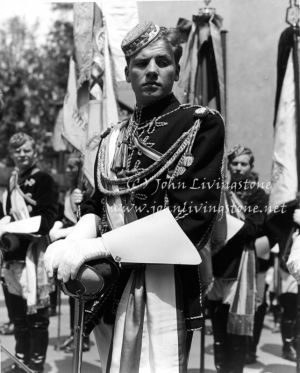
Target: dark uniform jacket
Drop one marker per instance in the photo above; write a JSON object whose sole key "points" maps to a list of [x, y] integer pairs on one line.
{"points": [[42, 189], [255, 200], [193, 197]]}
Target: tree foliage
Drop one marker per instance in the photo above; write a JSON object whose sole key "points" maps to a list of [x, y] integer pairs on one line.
{"points": [[33, 79]]}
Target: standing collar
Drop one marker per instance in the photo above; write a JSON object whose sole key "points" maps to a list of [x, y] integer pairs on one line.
{"points": [[23, 175], [158, 108]]}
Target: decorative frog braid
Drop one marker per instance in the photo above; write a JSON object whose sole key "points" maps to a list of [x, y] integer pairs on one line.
{"points": [[181, 150]]}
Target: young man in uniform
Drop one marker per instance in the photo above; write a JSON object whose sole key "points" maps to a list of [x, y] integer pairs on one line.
{"points": [[31, 193], [161, 172], [232, 297]]}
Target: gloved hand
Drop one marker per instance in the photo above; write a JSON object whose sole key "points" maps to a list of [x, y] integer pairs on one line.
{"points": [[293, 263], [68, 256], [5, 220], [296, 216], [76, 196], [53, 255], [57, 231], [53, 233]]}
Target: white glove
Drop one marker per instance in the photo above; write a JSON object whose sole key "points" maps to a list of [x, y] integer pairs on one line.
{"points": [[5, 220], [87, 227], [275, 249], [53, 255], [52, 233], [293, 263], [69, 256], [76, 196], [57, 231], [296, 216]]}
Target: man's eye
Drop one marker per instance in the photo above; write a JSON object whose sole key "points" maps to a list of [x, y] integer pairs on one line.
{"points": [[162, 62], [141, 63]]}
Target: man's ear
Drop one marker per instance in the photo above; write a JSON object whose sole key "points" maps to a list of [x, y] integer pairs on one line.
{"points": [[177, 72], [128, 80]]}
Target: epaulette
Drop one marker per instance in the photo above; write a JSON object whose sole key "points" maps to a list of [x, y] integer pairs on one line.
{"points": [[203, 111], [200, 111]]}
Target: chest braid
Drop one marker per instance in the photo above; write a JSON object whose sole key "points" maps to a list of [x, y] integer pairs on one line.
{"points": [[181, 147]]}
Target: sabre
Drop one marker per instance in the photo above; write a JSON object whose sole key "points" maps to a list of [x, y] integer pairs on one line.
{"points": [[94, 281], [56, 347], [78, 335]]}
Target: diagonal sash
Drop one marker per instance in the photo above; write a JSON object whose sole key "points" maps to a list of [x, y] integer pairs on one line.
{"points": [[33, 280], [241, 312], [149, 331]]}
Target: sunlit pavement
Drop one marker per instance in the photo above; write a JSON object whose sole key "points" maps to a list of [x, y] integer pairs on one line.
{"points": [[269, 351]]}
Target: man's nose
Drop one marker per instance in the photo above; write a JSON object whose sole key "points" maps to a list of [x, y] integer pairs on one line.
{"points": [[152, 68], [238, 167]]}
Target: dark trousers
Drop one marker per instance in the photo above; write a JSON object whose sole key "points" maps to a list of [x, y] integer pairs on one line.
{"points": [[7, 302], [31, 333], [288, 303], [72, 313], [53, 299], [229, 349]]}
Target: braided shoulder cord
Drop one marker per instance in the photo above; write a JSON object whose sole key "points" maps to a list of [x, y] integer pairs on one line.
{"points": [[181, 144], [108, 192], [142, 174]]}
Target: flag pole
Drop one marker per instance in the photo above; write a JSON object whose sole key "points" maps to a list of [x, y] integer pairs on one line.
{"points": [[297, 109], [292, 18], [79, 304]]}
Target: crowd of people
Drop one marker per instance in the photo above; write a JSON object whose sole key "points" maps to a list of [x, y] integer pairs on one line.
{"points": [[144, 201]]}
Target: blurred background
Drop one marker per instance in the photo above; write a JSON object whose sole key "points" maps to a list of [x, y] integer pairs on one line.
{"points": [[36, 42]]}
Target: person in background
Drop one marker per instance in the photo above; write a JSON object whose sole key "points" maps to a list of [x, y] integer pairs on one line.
{"points": [[288, 316], [74, 196], [232, 297], [146, 173], [7, 328], [30, 193], [288, 296], [263, 263]]}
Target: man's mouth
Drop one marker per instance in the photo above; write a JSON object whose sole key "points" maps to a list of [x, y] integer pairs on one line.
{"points": [[151, 84]]}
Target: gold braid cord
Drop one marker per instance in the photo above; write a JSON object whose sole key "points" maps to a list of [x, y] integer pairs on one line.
{"points": [[181, 146]]}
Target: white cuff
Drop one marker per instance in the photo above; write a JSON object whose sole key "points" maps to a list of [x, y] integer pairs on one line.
{"points": [[94, 249], [87, 227]]}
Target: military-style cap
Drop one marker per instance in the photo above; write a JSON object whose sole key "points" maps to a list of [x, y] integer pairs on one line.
{"points": [[139, 37]]}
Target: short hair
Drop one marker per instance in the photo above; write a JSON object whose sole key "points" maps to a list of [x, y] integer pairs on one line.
{"points": [[19, 139], [170, 35], [74, 160], [238, 150], [173, 36]]}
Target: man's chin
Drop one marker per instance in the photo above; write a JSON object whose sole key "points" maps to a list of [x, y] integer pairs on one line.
{"points": [[237, 177], [150, 97], [24, 166]]}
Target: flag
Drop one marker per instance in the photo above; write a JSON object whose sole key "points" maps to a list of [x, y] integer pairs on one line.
{"points": [[90, 104], [202, 82], [284, 178], [57, 140], [202, 76], [284, 175], [120, 16]]}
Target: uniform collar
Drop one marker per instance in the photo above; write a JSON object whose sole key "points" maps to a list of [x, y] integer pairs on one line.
{"points": [[158, 108], [25, 174]]}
